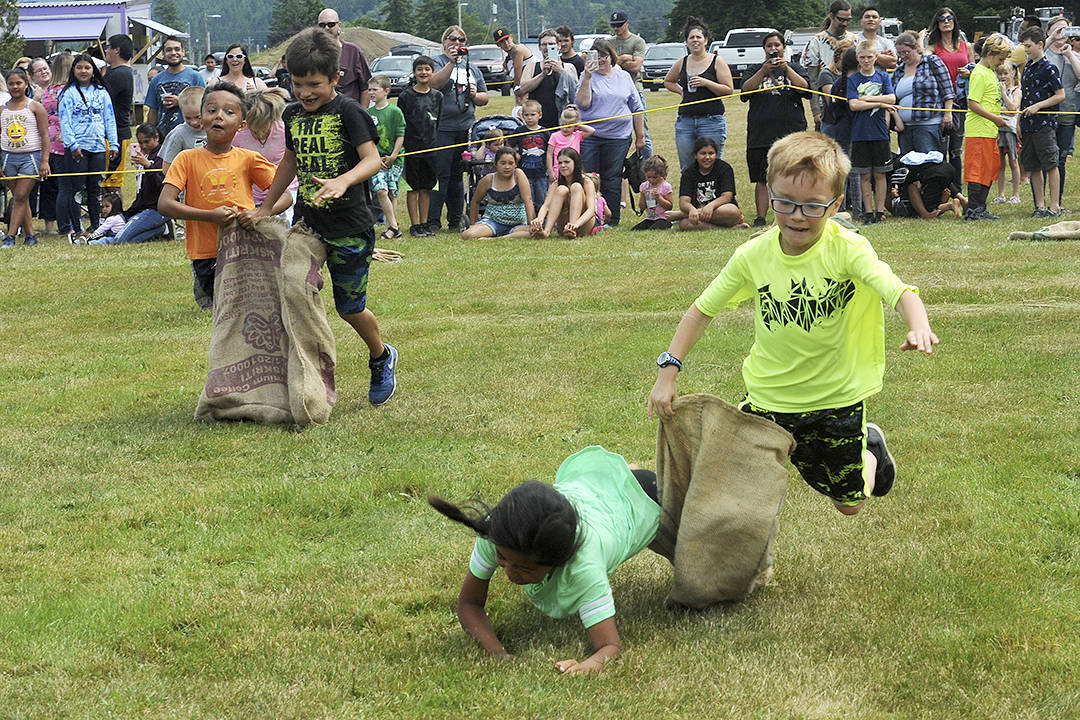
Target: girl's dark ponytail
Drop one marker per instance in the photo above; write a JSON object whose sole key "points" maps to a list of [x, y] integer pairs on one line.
{"points": [[478, 520], [533, 518]]}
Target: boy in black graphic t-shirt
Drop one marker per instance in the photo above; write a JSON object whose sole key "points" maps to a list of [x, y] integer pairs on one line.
{"points": [[330, 148]]}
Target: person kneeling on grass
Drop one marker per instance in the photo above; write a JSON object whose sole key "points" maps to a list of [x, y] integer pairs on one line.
{"points": [[819, 331], [570, 203], [707, 191], [509, 200], [560, 542]]}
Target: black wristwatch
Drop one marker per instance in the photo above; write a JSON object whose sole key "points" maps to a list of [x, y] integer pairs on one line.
{"points": [[667, 358]]}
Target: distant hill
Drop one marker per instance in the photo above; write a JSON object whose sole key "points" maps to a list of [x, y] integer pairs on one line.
{"points": [[247, 21], [373, 44]]}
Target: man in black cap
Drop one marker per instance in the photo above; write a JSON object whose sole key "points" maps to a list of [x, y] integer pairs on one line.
{"points": [[516, 53], [631, 51]]}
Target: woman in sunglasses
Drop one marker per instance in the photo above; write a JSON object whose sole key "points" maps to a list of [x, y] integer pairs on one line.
{"points": [[238, 70], [944, 39]]}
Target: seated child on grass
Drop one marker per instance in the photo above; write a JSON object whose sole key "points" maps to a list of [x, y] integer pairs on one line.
{"points": [[656, 194], [560, 542], [509, 200], [570, 205], [707, 191], [143, 221], [112, 221], [819, 330]]}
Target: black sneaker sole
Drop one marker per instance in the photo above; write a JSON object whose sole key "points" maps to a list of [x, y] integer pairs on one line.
{"points": [[885, 475]]}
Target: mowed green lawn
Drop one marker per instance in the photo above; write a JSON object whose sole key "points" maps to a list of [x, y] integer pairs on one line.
{"points": [[153, 567]]}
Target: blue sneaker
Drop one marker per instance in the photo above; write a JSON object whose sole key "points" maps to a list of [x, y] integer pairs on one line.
{"points": [[29, 240], [9, 242], [383, 380]]}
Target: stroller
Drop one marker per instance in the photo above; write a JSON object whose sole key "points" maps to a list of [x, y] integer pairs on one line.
{"points": [[476, 166]]}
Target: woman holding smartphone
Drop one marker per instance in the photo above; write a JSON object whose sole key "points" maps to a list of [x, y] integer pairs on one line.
{"points": [[607, 91], [550, 82], [775, 112]]}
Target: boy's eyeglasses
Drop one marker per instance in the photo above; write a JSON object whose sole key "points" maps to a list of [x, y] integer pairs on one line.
{"points": [[328, 25], [234, 57], [788, 207]]}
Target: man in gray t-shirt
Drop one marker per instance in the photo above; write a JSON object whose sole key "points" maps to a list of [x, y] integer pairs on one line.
{"points": [[631, 51]]}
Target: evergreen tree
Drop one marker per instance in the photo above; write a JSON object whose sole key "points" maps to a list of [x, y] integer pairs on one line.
{"points": [[397, 15], [291, 16], [434, 16], [167, 13], [11, 44]]}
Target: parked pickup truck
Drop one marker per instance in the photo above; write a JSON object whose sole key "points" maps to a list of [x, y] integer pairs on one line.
{"points": [[741, 49]]}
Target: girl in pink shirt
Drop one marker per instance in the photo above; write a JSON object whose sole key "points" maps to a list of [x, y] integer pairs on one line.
{"points": [[265, 134], [569, 135]]}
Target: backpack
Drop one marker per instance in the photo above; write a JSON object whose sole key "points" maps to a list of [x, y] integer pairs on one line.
{"points": [[634, 177]]}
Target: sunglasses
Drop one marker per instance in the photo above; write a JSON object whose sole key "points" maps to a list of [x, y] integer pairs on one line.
{"points": [[945, 18], [327, 25], [234, 57], [455, 38]]}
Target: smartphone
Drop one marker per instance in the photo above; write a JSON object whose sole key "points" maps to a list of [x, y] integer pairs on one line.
{"points": [[592, 57], [553, 52]]}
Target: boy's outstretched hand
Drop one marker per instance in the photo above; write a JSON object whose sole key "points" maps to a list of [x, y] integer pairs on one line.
{"points": [[922, 340], [331, 189]]}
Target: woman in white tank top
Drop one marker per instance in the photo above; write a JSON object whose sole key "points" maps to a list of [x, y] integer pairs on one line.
{"points": [[238, 70]]}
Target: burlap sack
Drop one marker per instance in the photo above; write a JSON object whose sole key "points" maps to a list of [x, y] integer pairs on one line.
{"points": [[271, 348], [1064, 230], [722, 476]]}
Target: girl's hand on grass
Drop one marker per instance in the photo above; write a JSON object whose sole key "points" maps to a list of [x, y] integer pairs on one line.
{"points": [[922, 340], [573, 667], [570, 230]]}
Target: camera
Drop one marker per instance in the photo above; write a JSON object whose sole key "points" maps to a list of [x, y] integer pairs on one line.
{"points": [[773, 54]]}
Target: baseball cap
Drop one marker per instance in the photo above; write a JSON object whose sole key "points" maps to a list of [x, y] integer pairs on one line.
{"points": [[619, 17], [500, 35]]}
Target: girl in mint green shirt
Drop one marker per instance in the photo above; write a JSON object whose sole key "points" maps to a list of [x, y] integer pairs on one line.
{"points": [[560, 543]]}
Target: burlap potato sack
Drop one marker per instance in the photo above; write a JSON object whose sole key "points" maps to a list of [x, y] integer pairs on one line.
{"points": [[271, 348], [1064, 230], [722, 476]]}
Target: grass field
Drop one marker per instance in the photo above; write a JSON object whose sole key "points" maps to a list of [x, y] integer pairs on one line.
{"points": [[153, 567]]}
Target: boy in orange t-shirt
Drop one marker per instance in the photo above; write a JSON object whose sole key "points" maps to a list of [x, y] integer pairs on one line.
{"points": [[216, 181]]}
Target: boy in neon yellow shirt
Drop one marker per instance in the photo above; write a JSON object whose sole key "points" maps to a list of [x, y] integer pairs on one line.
{"points": [[819, 331]]}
